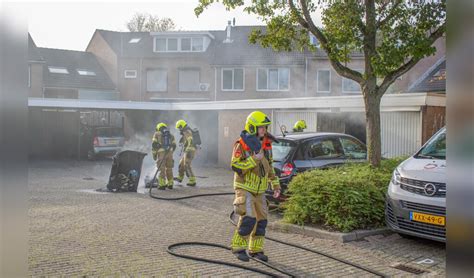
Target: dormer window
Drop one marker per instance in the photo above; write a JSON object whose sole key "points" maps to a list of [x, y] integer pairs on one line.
{"points": [[176, 44], [134, 40]]}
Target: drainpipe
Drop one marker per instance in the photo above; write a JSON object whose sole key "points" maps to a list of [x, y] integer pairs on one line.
{"points": [[306, 76], [215, 83], [140, 78]]}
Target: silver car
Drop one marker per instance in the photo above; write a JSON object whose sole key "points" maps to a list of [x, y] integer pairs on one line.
{"points": [[106, 141], [416, 197]]}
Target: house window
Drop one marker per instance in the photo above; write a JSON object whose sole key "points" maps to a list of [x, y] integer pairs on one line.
{"points": [[186, 44], [172, 44], [273, 79], [134, 40], [130, 74], [232, 79], [349, 85], [86, 72], [198, 44], [160, 45], [58, 70], [179, 44], [156, 80], [189, 80], [324, 81]]}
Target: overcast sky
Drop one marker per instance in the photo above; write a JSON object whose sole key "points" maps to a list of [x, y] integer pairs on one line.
{"points": [[71, 25]]}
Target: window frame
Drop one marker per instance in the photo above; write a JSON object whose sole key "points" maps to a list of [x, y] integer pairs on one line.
{"points": [[129, 76], [189, 69], [357, 142], [317, 81], [351, 92], [278, 74], [178, 44], [166, 85], [336, 144], [233, 80]]}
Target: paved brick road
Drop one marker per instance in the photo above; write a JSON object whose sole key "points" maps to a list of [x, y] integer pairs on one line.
{"points": [[75, 231]]}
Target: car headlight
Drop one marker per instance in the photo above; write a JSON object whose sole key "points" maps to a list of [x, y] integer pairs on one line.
{"points": [[396, 177]]}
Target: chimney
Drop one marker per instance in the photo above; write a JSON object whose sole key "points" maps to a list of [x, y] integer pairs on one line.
{"points": [[228, 29]]}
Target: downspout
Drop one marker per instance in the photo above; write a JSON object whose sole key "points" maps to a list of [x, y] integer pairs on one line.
{"points": [[140, 78], [215, 83], [306, 76]]}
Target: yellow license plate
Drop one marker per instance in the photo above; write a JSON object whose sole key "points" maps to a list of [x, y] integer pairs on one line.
{"points": [[428, 218]]}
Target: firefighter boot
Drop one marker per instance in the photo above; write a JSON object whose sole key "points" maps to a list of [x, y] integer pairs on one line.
{"points": [[259, 256], [242, 255], [170, 184], [192, 181], [179, 179], [162, 184]]}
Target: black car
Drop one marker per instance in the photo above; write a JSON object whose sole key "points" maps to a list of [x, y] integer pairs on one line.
{"points": [[298, 152]]}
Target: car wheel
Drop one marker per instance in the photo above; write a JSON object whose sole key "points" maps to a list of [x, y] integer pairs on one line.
{"points": [[91, 156]]}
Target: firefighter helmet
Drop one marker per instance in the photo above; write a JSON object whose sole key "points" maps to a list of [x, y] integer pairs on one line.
{"points": [[301, 124], [181, 124], [255, 120], [160, 126]]}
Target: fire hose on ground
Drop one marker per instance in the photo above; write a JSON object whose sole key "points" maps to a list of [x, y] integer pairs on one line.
{"points": [[171, 247]]}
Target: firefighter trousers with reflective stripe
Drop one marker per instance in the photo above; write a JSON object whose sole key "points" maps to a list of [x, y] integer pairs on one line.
{"points": [[250, 231], [166, 167], [185, 165]]}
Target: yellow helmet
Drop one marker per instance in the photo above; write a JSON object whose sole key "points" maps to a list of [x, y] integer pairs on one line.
{"points": [[254, 120], [301, 124], [181, 124], [160, 125]]}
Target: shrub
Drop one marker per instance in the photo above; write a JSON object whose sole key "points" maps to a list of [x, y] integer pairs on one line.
{"points": [[344, 198]]}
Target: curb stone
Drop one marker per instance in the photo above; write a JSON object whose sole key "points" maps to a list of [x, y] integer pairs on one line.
{"points": [[324, 234]]}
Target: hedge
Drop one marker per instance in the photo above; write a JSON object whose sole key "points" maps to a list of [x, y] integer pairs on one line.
{"points": [[343, 198]]}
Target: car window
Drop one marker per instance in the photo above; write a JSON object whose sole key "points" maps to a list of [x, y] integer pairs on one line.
{"points": [[324, 149], [109, 132], [435, 148], [353, 148], [282, 149]]}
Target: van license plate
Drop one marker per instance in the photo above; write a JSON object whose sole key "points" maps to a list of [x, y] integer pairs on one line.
{"points": [[427, 218]]}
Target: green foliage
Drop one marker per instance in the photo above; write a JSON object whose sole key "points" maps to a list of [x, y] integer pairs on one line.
{"points": [[344, 198]]}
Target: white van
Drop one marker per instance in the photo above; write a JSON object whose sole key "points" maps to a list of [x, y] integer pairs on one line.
{"points": [[416, 197]]}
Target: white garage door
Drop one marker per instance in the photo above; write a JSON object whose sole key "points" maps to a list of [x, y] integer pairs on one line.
{"points": [[401, 133]]}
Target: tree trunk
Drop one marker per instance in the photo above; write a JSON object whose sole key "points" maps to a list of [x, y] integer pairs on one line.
{"points": [[372, 119]]}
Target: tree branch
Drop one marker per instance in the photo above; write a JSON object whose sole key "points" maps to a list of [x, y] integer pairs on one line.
{"points": [[390, 15], [340, 68], [392, 76]]}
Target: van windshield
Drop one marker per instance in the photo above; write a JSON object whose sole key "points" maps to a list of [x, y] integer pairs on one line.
{"points": [[435, 148]]}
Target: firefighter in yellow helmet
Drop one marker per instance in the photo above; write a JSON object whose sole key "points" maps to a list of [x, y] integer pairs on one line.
{"points": [[253, 166], [163, 146], [189, 149], [299, 126]]}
